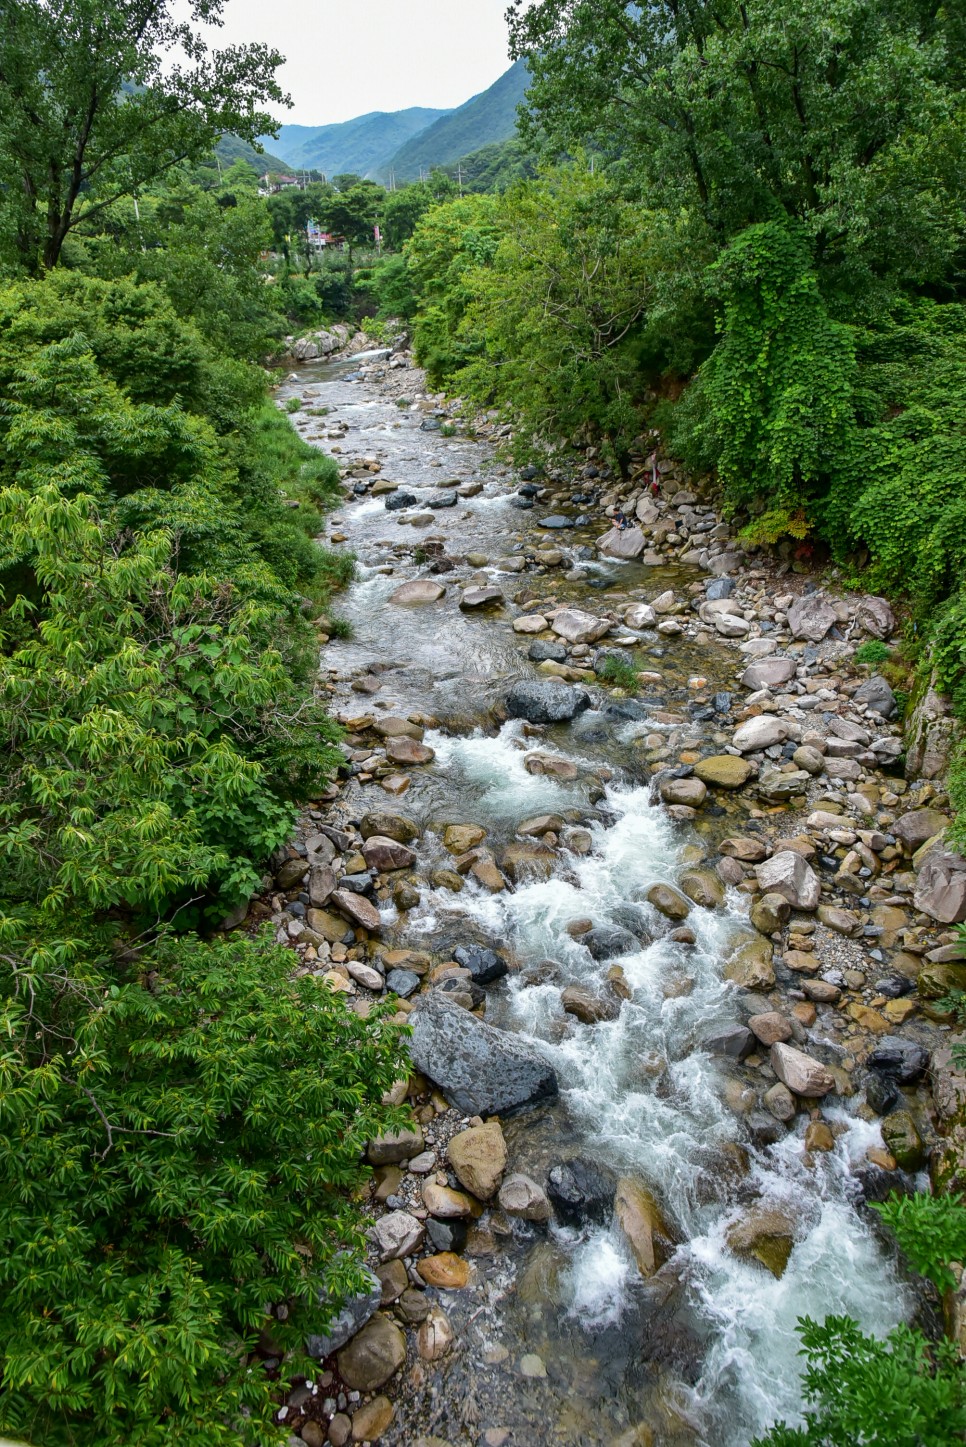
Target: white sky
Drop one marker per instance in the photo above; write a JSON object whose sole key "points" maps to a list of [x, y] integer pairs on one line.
{"points": [[348, 57]]}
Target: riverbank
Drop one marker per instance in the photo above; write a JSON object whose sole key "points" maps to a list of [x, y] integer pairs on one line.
{"points": [[705, 906]]}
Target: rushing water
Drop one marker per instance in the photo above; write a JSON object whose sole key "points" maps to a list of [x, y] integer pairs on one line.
{"points": [[705, 1352]]}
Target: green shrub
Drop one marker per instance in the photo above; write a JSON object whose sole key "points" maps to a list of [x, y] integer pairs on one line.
{"points": [[623, 675], [339, 628], [293, 404]]}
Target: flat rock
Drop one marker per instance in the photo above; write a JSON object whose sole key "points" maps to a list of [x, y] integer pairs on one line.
{"points": [[723, 771], [394, 1146], [624, 543], [389, 826], [373, 1356], [668, 901], [474, 598], [418, 590], [690, 792], [918, 826], [447, 1271], [480, 1070], [358, 909]]}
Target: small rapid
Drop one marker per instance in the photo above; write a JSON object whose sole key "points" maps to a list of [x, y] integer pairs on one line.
{"points": [[705, 1351]]}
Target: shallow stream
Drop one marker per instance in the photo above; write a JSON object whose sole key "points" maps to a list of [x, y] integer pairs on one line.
{"points": [[559, 1339]]}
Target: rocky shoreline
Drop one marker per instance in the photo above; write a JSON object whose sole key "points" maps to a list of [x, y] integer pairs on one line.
{"points": [[788, 774]]}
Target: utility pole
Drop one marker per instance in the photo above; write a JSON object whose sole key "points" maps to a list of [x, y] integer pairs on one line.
{"points": [[459, 176]]}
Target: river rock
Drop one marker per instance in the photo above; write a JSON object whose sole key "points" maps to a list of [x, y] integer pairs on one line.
{"points": [[351, 1319], [703, 888], [627, 543], [941, 886], [480, 1070], [485, 965], [770, 912], [532, 623], [546, 703], [639, 1216], [418, 590], [444, 1202], [393, 1146], [750, 965], [389, 826], [605, 942], [743, 847], [766, 1235], [435, 1337], [939, 978], [759, 733], [520, 1196], [803, 1075], [724, 771], [579, 627], [580, 1191], [875, 617], [478, 1158], [409, 752], [402, 983], [730, 625], [917, 827], [812, 617], [640, 615], [668, 901], [373, 1356], [777, 786], [770, 1027], [395, 502], [322, 885], [587, 1007], [397, 1234], [876, 695], [373, 1420], [903, 1140], [930, 734], [386, 855], [788, 874], [768, 673], [546, 651], [446, 1271], [358, 909], [690, 792], [460, 838], [903, 1059], [474, 598], [735, 1042]]}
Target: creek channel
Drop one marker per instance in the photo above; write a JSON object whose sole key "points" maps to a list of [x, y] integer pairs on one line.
{"points": [[559, 1339]]}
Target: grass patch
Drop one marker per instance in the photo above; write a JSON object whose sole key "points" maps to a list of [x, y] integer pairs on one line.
{"points": [[621, 675], [872, 652], [339, 628], [447, 429], [293, 405]]}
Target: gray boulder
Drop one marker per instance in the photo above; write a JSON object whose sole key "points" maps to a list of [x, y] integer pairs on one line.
{"points": [[480, 1070], [768, 673], [811, 617], [351, 1319], [876, 695], [605, 942], [941, 886], [545, 703], [788, 874]]}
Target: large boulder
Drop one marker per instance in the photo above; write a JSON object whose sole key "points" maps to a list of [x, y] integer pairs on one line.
{"points": [[750, 966], [484, 965], [802, 1075], [626, 544], [389, 826], [419, 590], [930, 732], [918, 827], [385, 855], [480, 1070], [876, 695], [875, 617], [640, 615], [546, 702], [605, 942], [478, 1158], [811, 617], [579, 627], [765, 1235], [521, 1196], [903, 1059], [941, 886], [691, 792], [788, 874], [580, 1191]]}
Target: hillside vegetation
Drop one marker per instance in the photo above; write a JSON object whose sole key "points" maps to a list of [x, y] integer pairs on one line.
{"points": [[362, 145], [488, 117]]}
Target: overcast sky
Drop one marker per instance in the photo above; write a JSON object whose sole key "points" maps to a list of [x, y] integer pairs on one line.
{"points": [[347, 57]]}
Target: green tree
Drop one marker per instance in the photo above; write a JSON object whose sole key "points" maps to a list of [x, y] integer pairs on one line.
{"points": [[96, 104], [180, 1127], [352, 213], [449, 244]]}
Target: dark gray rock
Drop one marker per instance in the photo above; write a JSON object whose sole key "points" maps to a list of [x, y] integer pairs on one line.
{"points": [[442, 499], [545, 702], [903, 1059], [875, 694], [446, 1235], [881, 1092], [542, 652], [350, 1320], [480, 1070], [555, 520], [523, 504], [484, 965], [734, 1041], [402, 983], [606, 941], [580, 1191], [719, 588], [396, 501]]}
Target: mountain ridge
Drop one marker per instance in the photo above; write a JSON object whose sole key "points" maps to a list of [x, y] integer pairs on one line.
{"points": [[359, 145]]}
